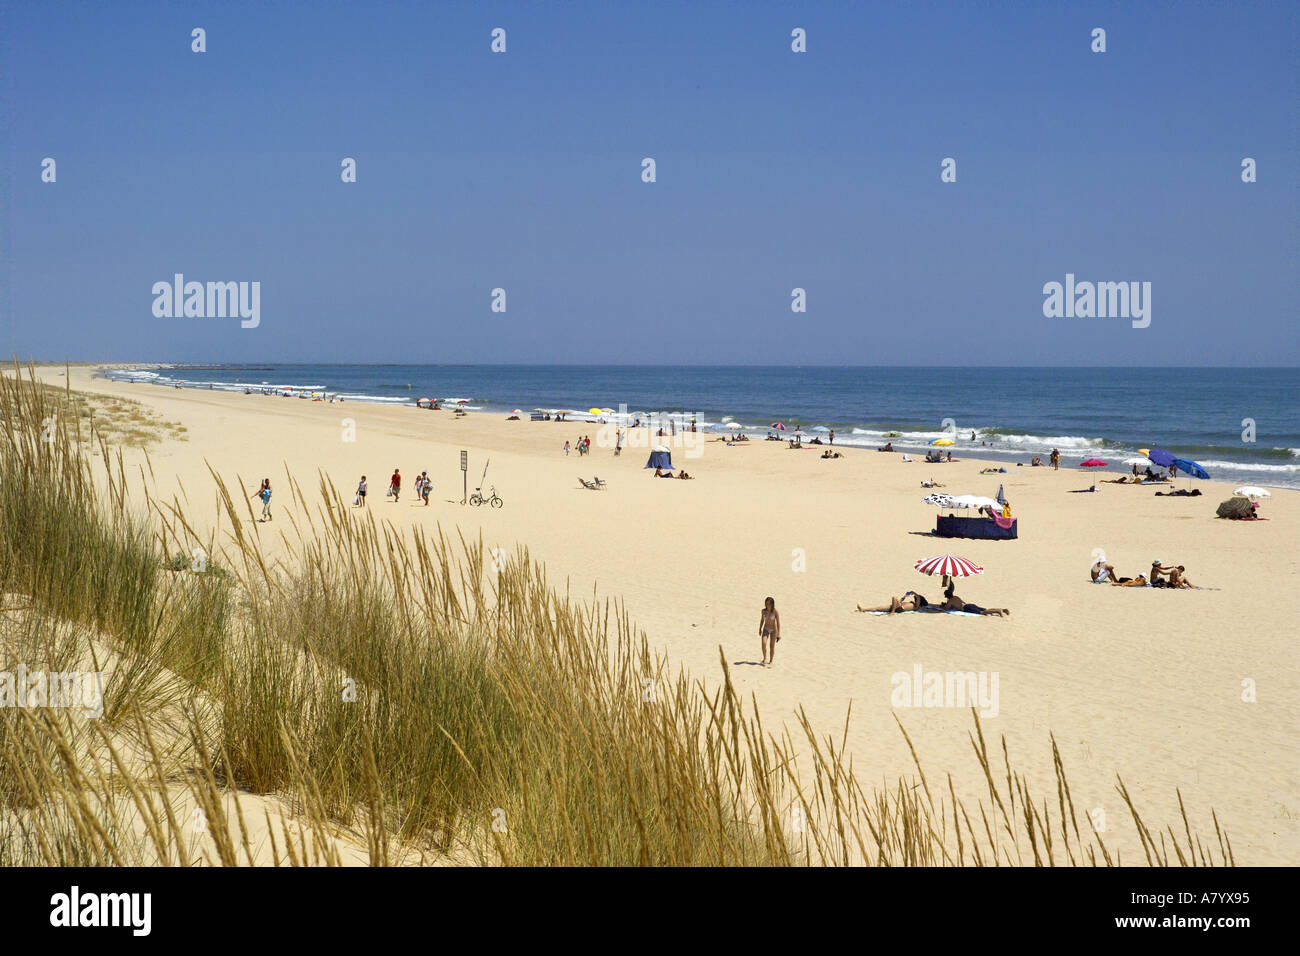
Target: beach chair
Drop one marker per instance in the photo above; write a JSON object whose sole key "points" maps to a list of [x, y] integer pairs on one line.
{"points": [[599, 484], [589, 485]]}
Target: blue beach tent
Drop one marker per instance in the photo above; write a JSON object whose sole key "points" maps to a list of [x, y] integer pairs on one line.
{"points": [[660, 458]]}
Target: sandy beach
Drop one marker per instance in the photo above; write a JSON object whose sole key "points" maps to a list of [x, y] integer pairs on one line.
{"points": [[1142, 683]]}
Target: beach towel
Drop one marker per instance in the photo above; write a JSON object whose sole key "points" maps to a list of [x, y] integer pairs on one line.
{"points": [[1165, 587], [927, 610], [1004, 523]]}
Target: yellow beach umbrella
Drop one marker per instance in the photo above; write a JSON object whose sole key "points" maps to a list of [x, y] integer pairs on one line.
{"points": [[594, 411], [942, 441]]}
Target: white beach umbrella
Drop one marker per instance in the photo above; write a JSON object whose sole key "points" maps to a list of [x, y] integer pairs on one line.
{"points": [[1252, 491], [974, 501]]}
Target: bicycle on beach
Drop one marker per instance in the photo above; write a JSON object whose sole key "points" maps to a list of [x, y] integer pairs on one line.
{"points": [[493, 499]]}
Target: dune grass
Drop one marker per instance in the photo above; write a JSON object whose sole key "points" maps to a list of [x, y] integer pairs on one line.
{"points": [[402, 692]]}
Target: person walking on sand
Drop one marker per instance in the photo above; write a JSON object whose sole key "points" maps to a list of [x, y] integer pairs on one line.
{"points": [[1055, 459], [426, 486], [360, 500], [265, 494], [566, 449], [769, 630], [419, 486], [395, 486], [832, 436], [618, 442]]}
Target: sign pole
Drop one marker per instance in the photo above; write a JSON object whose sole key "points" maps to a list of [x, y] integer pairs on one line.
{"points": [[464, 475]]}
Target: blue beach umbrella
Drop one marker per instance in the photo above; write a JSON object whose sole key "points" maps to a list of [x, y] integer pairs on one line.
{"points": [[1190, 468], [820, 428], [1161, 457]]}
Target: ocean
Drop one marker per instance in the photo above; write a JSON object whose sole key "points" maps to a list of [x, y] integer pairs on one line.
{"points": [[1241, 425]]}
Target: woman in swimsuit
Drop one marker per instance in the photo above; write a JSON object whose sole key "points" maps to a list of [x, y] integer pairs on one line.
{"points": [[769, 630], [910, 601], [1138, 582]]}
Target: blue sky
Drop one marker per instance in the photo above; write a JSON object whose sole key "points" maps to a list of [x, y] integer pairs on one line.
{"points": [[775, 170]]}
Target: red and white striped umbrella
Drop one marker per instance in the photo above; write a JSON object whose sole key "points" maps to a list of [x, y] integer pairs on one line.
{"points": [[949, 565]]}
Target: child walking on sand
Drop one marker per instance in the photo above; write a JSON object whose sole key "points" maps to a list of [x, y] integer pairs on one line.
{"points": [[395, 486], [360, 500], [769, 630], [265, 494]]}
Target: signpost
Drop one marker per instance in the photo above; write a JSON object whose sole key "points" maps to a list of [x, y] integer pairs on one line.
{"points": [[464, 475]]}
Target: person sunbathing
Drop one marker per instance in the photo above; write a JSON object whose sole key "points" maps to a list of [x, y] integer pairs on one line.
{"points": [[1177, 579], [684, 476], [1138, 582], [1101, 572], [951, 602], [910, 601], [889, 446], [1037, 462]]}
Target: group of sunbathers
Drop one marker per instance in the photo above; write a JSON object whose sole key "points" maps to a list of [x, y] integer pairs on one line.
{"points": [[660, 473], [912, 601], [1144, 477], [934, 456], [1160, 576], [831, 454]]}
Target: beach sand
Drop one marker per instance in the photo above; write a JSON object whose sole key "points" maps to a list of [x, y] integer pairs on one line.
{"points": [[1143, 683]]}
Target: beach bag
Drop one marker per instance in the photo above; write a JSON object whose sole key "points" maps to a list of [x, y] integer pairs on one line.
{"points": [[390, 491], [357, 500]]}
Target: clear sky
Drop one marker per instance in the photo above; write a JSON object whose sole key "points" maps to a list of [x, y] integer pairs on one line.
{"points": [[775, 170]]}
